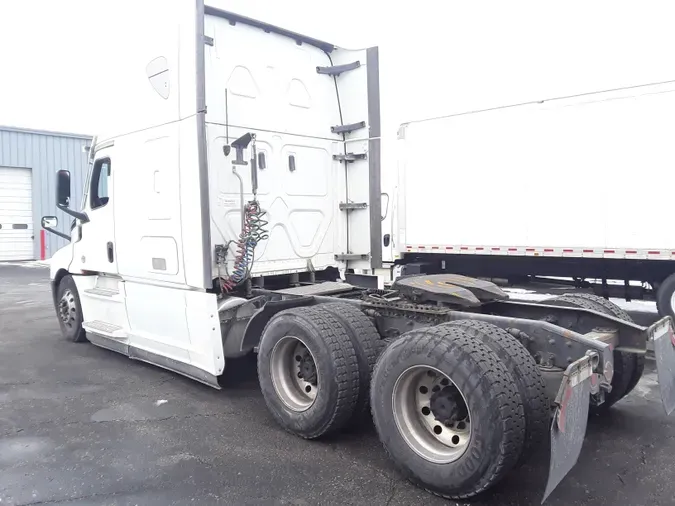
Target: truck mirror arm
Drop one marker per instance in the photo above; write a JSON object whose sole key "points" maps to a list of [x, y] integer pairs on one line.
{"points": [[76, 214], [56, 232]]}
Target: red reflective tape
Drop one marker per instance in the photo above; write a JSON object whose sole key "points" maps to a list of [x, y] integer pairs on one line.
{"points": [[529, 249], [479, 249], [513, 249], [434, 247], [568, 251], [496, 249], [464, 248], [448, 247], [631, 251], [548, 250], [588, 251], [610, 251], [420, 247], [653, 252]]}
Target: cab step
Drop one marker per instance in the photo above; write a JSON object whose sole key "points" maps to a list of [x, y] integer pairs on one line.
{"points": [[102, 292], [105, 329]]}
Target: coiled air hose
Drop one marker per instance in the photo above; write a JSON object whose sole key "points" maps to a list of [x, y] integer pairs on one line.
{"points": [[253, 231]]}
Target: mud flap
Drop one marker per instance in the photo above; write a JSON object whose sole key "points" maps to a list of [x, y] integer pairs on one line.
{"points": [[664, 350], [569, 421]]}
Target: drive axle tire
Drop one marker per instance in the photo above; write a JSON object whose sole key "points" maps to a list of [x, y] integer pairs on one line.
{"points": [[615, 310], [525, 373], [367, 344], [69, 310], [308, 371], [610, 307], [447, 411], [626, 365]]}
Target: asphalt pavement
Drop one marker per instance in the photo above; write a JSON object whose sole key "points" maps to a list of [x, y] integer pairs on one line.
{"points": [[82, 425]]}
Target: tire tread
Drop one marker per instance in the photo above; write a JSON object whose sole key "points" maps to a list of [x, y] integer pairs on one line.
{"points": [[526, 374], [447, 342], [67, 282], [614, 309], [367, 345], [626, 365], [342, 354]]}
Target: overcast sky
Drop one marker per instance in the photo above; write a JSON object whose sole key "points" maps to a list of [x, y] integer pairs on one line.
{"points": [[437, 57]]}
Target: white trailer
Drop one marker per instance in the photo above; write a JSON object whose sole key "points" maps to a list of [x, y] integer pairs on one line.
{"points": [[553, 188], [241, 186]]}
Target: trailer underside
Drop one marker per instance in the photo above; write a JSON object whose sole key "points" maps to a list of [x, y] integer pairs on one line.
{"points": [[608, 277]]}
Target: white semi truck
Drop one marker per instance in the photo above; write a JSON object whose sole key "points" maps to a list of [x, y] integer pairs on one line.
{"points": [[238, 211], [552, 175]]}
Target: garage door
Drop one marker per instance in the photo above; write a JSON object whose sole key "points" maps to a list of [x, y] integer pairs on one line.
{"points": [[16, 214]]}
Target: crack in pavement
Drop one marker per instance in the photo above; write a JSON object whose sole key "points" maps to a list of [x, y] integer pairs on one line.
{"points": [[393, 483]]}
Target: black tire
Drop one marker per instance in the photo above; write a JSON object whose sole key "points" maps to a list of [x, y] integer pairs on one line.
{"points": [[625, 364], [664, 295], [69, 310], [387, 341], [336, 366], [367, 344], [493, 400], [637, 373], [609, 306], [615, 310], [524, 370]]}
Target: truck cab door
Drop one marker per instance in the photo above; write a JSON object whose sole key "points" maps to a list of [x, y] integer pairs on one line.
{"points": [[95, 250], [101, 290]]}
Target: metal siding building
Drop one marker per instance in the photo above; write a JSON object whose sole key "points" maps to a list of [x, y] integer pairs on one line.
{"points": [[29, 160]]}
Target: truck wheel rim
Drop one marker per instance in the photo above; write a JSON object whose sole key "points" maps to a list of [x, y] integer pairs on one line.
{"points": [[672, 302], [431, 414], [294, 373], [68, 309]]}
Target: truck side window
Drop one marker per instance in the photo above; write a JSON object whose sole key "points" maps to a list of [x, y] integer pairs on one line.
{"points": [[99, 183]]}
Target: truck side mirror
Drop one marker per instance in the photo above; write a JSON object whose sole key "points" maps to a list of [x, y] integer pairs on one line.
{"points": [[63, 188], [63, 197], [50, 222]]}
